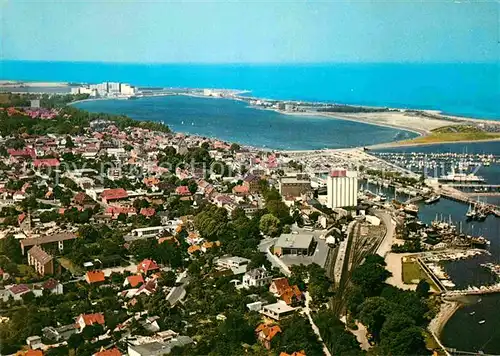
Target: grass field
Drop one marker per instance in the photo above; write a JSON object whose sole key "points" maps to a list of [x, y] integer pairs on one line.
{"points": [[412, 273], [455, 133]]}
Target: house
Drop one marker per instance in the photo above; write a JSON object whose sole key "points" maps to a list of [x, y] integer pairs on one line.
{"points": [[84, 320], [157, 348], [279, 286], [193, 248], [147, 212], [236, 264], [81, 199], [251, 182], [34, 342], [277, 311], [61, 333], [147, 266], [265, 334], [296, 353], [109, 195], [46, 163], [133, 281], [110, 352], [42, 262], [18, 290], [183, 190], [53, 286], [209, 244], [292, 296], [95, 277], [256, 277], [240, 190]]}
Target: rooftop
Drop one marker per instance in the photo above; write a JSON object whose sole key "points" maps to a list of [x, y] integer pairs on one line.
{"points": [[302, 241]]}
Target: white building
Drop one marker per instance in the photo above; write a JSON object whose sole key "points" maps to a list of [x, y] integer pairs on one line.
{"points": [[257, 277], [342, 188], [126, 89]]}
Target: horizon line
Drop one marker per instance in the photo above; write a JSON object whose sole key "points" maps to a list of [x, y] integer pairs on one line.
{"points": [[248, 63]]}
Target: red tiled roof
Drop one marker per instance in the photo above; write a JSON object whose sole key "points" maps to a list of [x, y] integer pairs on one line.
{"points": [[46, 162], [111, 352], [147, 266], [19, 289], [148, 212], [281, 285], [183, 190], [291, 293], [296, 353], [24, 152], [95, 276], [111, 194], [34, 353], [268, 331], [240, 189], [91, 319], [135, 280], [50, 284]]}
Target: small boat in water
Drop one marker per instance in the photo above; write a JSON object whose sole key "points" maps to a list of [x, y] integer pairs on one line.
{"points": [[433, 199], [411, 209], [482, 322], [472, 313]]}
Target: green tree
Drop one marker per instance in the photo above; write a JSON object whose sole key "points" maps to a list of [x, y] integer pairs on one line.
{"points": [[423, 288], [11, 248], [270, 225]]}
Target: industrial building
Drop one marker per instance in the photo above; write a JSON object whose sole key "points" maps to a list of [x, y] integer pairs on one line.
{"points": [[342, 188]]}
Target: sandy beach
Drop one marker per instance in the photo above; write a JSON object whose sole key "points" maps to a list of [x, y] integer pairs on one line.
{"points": [[445, 313]]}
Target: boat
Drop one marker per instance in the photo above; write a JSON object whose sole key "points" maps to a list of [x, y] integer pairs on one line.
{"points": [[471, 212], [411, 209], [472, 313], [482, 321], [461, 177], [480, 300], [433, 199], [382, 197]]}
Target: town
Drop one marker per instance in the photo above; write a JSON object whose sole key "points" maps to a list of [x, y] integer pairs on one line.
{"points": [[121, 237]]}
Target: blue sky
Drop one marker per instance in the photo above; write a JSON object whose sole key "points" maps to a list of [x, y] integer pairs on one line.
{"points": [[250, 31]]}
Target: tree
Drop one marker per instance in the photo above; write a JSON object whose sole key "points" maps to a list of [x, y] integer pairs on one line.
{"points": [[374, 312], [408, 341], [11, 248], [337, 339], [75, 340], [212, 222], [371, 275], [297, 335], [235, 147], [423, 288], [269, 225]]}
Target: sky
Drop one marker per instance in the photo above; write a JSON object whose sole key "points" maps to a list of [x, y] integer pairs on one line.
{"points": [[250, 31]]}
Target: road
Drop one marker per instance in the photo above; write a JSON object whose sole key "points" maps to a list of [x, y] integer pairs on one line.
{"points": [[307, 311], [387, 242]]}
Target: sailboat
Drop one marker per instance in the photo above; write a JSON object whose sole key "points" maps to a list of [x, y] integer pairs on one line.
{"points": [[471, 212]]}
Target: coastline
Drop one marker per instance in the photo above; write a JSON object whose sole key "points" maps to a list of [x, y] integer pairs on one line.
{"points": [[446, 311], [418, 121]]}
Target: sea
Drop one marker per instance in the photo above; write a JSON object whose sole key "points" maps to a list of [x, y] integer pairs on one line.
{"points": [[462, 89], [465, 89], [235, 121]]}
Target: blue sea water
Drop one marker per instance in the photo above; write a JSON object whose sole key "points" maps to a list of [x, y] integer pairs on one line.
{"points": [[467, 89], [235, 121]]}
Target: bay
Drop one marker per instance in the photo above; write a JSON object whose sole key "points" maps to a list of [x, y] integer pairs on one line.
{"points": [[235, 121]]}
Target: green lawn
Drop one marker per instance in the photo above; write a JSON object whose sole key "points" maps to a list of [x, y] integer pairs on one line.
{"points": [[412, 273]]}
